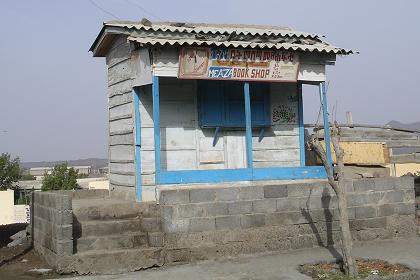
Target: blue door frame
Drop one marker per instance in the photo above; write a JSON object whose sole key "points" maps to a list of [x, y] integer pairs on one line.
{"points": [[225, 175]]}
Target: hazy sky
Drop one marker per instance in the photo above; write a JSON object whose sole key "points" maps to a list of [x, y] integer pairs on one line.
{"points": [[53, 92]]}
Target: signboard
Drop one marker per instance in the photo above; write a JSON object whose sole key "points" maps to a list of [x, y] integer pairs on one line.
{"points": [[238, 64]]}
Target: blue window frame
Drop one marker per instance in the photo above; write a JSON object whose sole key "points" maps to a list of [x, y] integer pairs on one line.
{"points": [[221, 104]]}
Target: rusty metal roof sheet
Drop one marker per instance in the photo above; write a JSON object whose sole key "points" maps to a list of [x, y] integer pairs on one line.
{"points": [[223, 35], [319, 47], [254, 30]]}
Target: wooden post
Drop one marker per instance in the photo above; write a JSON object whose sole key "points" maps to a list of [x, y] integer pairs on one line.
{"points": [[136, 104], [248, 127], [327, 138], [156, 126], [301, 126]]}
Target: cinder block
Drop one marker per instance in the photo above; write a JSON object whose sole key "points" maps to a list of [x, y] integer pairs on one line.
{"points": [[404, 183], [384, 184], [276, 191], [215, 209], [167, 213], [264, 205], [239, 207], [408, 196], [277, 219], [299, 190], [228, 222], [202, 195], [393, 197], [364, 185], [202, 224], [227, 194], [150, 224], [404, 208], [365, 212], [288, 204], [252, 220], [379, 222], [176, 225], [360, 199], [386, 210], [190, 210], [64, 248], [348, 184], [177, 255], [64, 232], [156, 239], [170, 197], [251, 193]]}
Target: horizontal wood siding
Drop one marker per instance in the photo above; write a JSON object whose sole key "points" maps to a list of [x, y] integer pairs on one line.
{"points": [[121, 122]]}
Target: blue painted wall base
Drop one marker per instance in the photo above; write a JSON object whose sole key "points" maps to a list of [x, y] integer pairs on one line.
{"points": [[243, 174]]}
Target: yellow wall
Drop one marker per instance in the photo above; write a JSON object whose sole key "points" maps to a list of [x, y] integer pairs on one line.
{"points": [[7, 213], [363, 153], [400, 169]]}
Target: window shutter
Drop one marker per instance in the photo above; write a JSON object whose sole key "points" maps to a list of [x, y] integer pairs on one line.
{"points": [[211, 104]]}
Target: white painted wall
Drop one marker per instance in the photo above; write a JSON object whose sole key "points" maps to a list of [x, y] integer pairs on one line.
{"points": [[186, 146]]}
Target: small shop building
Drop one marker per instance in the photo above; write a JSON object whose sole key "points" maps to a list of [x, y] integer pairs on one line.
{"points": [[193, 103]]}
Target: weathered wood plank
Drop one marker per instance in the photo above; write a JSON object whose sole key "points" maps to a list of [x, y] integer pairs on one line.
{"points": [[122, 152], [119, 51], [269, 164], [125, 139], [212, 157], [179, 160], [122, 167], [405, 158], [276, 155], [311, 72], [275, 143], [120, 72], [124, 180], [122, 87], [211, 166], [120, 99], [120, 125], [121, 110]]}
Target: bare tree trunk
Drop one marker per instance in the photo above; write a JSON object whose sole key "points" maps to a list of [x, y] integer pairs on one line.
{"points": [[338, 185]]}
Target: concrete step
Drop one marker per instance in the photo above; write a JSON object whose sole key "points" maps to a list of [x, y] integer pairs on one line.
{"points": [[106, 227], [122, 260], [119, 241], [151, 224], [104, 209]]}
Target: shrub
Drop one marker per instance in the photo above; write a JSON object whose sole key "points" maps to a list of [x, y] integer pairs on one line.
{"points": [[61, 178], [9, 171]]}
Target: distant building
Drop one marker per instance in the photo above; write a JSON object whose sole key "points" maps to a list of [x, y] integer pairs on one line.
{"points": [[39, 172]]}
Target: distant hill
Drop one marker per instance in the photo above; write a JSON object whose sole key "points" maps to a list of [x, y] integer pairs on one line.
{"points": [[94, 162], [410, 126]]}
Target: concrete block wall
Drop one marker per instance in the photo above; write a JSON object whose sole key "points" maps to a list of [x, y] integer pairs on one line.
{"points": [[53, 224], [210, 222]]}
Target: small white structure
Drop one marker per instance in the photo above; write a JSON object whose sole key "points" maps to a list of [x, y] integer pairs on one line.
{"points": [[11, 213]]}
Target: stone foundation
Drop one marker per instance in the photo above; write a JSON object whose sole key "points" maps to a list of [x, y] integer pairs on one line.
{"points": [[213, 222], [201, 222]]}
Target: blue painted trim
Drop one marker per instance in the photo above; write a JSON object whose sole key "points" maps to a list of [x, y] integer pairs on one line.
{"points": [[248, 136], [136, 101], [301, 126], [156, 123], [243, 174], [327, 137]]}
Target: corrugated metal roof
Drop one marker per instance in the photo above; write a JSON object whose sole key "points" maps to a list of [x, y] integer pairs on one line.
{"points": [[244, 44], [254, 30], [224, 35]]}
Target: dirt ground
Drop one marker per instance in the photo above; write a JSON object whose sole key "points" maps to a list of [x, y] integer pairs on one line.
{"points": [[15, 262]]}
